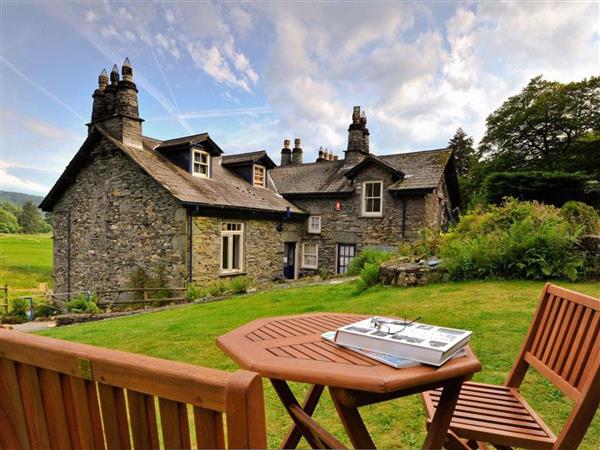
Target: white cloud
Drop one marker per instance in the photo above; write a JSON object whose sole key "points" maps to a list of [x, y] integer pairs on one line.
{"points": [[90, 16], [212, 61], [11, 182], [242, 20], [169, 16], [168, 44]]}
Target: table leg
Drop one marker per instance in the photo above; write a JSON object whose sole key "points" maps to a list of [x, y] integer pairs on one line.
{"points": [[309, 405], [438, 429], [315, 435], [353, 423]]}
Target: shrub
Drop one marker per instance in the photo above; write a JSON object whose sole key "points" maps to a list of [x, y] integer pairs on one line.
{"points": [[515, 240], [579, 214], [427, 245], [18, 307], [367, 256], [240, 285], [81, 304], [45, 309], [369, 276], [217, 288], [194, 292], [8, 222]]}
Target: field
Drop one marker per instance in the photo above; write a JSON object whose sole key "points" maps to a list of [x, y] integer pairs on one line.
{"points": [[498, 312], [25, 260]]}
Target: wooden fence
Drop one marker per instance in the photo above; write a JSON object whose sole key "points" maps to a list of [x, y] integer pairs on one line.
{"points": [[115, 297]]}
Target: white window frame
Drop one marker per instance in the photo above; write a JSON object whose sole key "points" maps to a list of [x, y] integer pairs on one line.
{"points": [[264, 171], [195, 152], [316, 255], [241, 251], [312, 228], [366, 213]]}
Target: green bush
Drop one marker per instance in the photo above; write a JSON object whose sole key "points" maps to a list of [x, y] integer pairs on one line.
{"points": [[427, 245], [45, 309], [240, 285], [217, 288], [367, 256], [18, 308], [579, 214], [369, 276], [524, 240], [194, 292], [8, 222], [81, 304]]}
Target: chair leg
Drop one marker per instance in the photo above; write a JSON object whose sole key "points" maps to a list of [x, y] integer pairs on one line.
{"points": [[453, 442]]}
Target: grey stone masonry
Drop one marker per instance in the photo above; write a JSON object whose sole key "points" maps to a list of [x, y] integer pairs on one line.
{"points": [[113, 219]]}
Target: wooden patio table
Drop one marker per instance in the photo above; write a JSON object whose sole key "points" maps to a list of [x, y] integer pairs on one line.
{"points": [[290, 348]]}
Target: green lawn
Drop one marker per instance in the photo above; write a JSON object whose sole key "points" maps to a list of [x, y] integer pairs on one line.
{"points": [[498, 313], [25, 260]]}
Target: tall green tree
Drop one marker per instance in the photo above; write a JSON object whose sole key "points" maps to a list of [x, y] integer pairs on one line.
{"points": [[544, 124], [30, 220], [464, 153]]}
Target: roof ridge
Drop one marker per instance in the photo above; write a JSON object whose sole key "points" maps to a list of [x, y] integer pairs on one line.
{"points": [[415, 151]]}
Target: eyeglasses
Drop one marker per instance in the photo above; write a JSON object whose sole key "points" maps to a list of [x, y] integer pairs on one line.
{"points": [[383, 325]]}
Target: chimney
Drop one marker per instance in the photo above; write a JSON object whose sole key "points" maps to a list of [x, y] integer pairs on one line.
{"points": [[297, 152], [356, 138], [116, 105], [363, 122], [98, 105], [286, 153], [321, 156]]}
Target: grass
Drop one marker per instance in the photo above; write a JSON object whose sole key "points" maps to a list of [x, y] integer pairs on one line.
{"points": [[498, 312], [25, 260]]}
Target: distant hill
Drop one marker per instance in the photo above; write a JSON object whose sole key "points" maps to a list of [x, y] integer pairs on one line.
{"points": [[19, 198]]}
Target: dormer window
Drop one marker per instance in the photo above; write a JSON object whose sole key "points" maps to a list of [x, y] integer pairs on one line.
{"points": [[200, 163], [258, 175]]}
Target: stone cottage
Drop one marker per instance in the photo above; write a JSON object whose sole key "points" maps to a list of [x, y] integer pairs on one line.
{"points": [[182, 208]]}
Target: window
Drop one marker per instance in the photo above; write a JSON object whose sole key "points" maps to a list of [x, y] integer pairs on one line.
{"points": [[200, 163], [232, 247], [346, 253], [310, 255], [258, 177], [314, 224], [372, 198]]}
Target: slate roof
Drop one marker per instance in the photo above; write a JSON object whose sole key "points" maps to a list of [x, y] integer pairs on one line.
{"points": [[224, 190], [422, 170], [187, 141], [249, 158], [325, 177]]}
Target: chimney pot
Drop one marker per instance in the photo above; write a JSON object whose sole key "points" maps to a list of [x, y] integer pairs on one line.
{"points": [[127, 70], [286, 143], [114, 75], [297, 142], [297, 152]]}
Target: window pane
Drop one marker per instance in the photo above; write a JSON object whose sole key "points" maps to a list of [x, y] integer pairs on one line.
{"points": [[369, 206], [376, 205], [376, 190], [368, 190], [225, 245], [236, 251]]}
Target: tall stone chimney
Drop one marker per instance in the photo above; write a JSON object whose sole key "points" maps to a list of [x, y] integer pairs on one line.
{"points": [[357, 136], [286, 153], [115, 105], [297, 152]]}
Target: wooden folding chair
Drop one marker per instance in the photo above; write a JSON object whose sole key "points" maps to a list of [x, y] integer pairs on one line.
{"points": [[563, 345]]}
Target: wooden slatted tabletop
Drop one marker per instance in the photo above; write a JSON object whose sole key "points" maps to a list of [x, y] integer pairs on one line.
{"points": [[291, 348]]}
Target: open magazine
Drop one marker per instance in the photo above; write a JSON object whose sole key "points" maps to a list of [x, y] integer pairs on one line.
{"points": [[390, 360], [421, 342]]}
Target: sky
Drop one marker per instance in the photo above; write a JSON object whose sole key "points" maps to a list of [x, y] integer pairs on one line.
{"points": [[252, 74]]}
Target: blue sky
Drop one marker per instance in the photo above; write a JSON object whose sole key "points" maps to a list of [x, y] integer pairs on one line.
{"points": [[253, 74]]}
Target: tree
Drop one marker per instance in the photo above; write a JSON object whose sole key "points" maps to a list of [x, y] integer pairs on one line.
{"points": [[464, 153], [8, 222], [30, 219], [542, 125]]}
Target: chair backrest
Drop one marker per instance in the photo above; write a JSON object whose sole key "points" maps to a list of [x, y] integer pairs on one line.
{"points": [[563, 345], [62, 395]]}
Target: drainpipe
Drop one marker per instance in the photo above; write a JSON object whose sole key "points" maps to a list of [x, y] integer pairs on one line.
{"points": [[190, 229], [403, 217]]}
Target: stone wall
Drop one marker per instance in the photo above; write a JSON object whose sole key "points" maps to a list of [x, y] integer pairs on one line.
{"points": [[348, 225], [263, 248], [120, 219]]}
